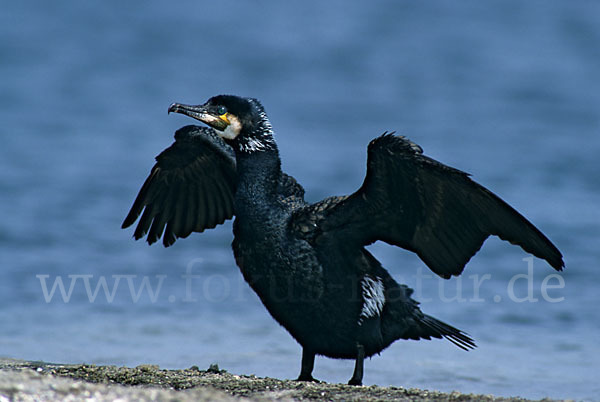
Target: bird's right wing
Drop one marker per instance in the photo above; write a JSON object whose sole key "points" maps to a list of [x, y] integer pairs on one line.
{"points": [[412, 201], [189, 189]]}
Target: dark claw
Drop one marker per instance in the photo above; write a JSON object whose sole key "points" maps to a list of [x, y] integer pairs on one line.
{"points": [[308, 378], [354, 381]]}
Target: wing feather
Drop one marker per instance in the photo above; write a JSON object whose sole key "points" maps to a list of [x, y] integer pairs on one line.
{"points": [[412, 201], [190, 188], [193, 212], [206, 207], [177, 224]]}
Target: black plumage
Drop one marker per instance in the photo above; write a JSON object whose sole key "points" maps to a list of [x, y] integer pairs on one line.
{"points": [[190, 188], [307, 262]]}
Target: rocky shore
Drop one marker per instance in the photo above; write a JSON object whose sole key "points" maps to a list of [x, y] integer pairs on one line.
{"points": [[28, 381]]}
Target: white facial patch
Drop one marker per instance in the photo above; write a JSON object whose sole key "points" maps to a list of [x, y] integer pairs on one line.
{"points": [[373, 297], [232, 130]]}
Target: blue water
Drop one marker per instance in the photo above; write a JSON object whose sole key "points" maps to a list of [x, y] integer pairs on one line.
{"points": [[506, 90]]}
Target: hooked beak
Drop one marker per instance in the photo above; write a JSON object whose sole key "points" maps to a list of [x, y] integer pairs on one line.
{"points": [[202, 113]]}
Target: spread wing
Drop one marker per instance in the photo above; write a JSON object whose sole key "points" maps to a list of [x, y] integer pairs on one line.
{"points": [[189, 189], [412, 201]]}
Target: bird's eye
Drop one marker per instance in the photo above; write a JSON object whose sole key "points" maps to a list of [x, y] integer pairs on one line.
{"points": [[221, 110]]}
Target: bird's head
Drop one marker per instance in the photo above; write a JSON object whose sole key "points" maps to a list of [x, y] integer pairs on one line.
{"points": [[242, 122]]}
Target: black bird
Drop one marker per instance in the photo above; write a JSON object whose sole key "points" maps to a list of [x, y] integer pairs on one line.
{"points": [[308, 262]]}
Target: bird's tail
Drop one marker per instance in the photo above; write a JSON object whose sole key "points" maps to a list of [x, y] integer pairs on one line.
{"points": [[407, 321], [430, 327]]}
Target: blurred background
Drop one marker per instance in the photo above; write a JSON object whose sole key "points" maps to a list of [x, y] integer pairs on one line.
{"points": [[506, 90]]}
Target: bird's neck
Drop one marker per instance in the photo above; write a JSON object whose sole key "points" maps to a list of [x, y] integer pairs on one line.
{"points": [[256, 198], [258, 172]]}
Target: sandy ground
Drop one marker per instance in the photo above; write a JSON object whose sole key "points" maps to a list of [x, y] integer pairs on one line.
{"points": [[33, 381]]}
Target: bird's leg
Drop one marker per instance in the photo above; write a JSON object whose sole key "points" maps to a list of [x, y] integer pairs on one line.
{"points": [[358, 367], [308, 363]]}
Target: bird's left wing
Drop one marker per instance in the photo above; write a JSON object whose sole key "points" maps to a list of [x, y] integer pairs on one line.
{"points": [[189, 189], [412, 201]]}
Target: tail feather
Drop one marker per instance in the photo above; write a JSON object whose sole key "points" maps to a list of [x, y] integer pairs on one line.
{"points": [[438, 329]]}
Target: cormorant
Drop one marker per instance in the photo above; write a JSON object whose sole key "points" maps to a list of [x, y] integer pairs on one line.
{"points": [[308, 262]]}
